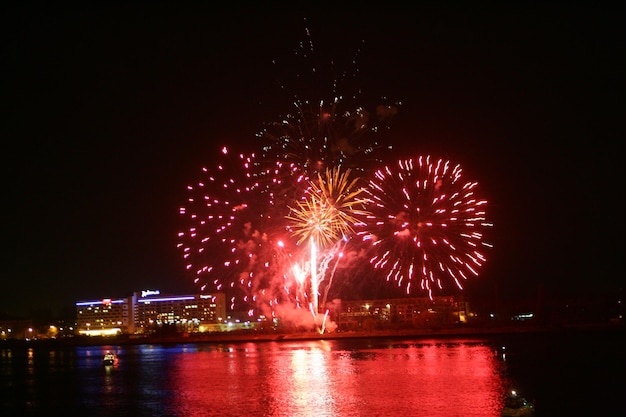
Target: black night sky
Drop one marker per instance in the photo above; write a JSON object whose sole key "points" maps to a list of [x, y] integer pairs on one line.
{"points": [[110, 111]]}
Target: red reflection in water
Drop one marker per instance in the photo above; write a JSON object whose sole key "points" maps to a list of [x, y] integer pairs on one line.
{"points": [[318, 379], [431, 380]]}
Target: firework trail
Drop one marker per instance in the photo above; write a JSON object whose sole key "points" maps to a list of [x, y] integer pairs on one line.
{"points": [[326, 218], [426, 224]]}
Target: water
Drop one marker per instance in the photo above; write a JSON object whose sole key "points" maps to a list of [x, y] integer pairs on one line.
{"points": [[571, 374]]}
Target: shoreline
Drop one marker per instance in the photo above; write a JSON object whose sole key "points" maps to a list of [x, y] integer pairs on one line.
{"points": [[252, 336]]}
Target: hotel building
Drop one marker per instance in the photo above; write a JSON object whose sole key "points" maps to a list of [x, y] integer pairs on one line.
{"points": [[148, 311]]}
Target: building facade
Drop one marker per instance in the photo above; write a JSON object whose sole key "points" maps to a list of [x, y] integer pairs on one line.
{"points": [[104, 317], [416, 312], [186, 313], [148, 312]]}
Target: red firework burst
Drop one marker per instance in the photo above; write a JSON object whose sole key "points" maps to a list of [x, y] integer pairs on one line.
{"points": [[233, 235]]}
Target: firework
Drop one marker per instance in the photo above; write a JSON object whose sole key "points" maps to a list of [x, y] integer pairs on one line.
{"points": [[330, 211], [299, 160], [426, 224], [325, 218], [232, 241], [324, 135], [324, 129], [246, 220]]}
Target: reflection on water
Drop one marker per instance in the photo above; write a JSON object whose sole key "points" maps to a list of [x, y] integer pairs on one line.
{"points": [[324, 378], [361, 377], [308, 378]]}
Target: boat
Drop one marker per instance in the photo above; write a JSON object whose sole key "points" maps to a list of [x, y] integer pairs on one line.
{"points": [[517, 406], [109, 358]]}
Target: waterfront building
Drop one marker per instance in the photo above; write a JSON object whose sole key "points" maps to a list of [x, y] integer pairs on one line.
{"points": [[183, 313], [412, 312], [105, 317], [148, 312]]}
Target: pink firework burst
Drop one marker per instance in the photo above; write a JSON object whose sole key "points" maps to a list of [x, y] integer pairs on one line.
{"points": [[426, 225], [234, 238]]}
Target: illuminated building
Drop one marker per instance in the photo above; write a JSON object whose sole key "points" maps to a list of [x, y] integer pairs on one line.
{"points": [[413, 312], [103, 317], [149, 312], [188, 313]]}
